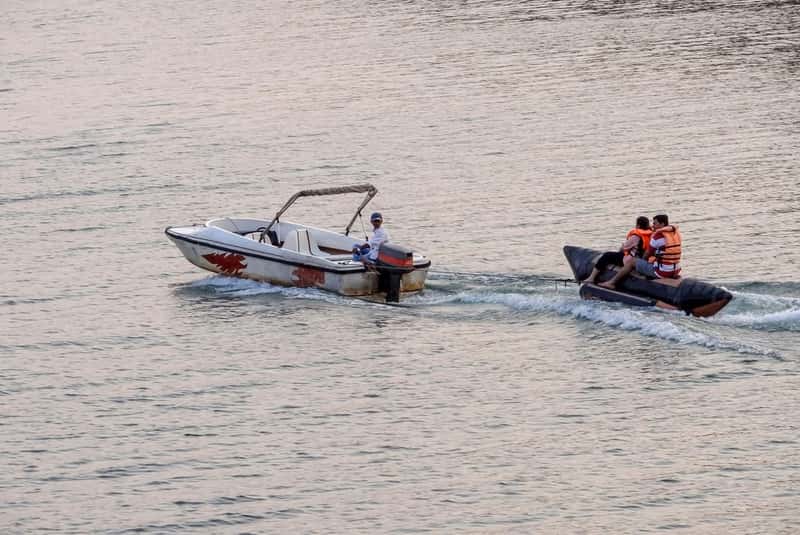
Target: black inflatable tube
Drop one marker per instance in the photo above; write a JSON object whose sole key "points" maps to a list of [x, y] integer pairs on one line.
{"points": [[690, 295]]}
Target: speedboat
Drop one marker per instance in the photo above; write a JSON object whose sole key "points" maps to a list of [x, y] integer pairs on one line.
{"points": [[292, 254], [688, 295]]}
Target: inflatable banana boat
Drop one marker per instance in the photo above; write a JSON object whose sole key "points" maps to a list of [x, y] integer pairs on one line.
{"points": [[689, 295]]}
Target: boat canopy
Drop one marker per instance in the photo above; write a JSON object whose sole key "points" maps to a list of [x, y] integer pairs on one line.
{"points": [[369, 189]]}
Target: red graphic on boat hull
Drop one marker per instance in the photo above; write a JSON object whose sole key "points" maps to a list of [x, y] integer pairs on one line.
{"points": [[228, 263], [306, 277]]}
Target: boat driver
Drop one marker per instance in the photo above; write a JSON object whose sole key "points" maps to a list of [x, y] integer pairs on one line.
{"points": [[368, 252]]}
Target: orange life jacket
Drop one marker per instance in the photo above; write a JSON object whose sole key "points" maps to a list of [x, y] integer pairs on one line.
{"points": [[668, 257], [644, 241]]}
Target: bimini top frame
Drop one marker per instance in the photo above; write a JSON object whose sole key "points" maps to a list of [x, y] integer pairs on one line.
{"points": [[369, 189]]}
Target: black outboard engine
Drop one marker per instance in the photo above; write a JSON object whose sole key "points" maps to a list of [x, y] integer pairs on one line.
{"points": [[393, 261]]}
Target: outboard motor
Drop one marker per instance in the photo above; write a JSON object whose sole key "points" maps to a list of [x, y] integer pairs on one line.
{"points": [[393, 261]]}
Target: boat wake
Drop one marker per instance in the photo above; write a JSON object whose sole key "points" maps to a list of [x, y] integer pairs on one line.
{"points": [[762, 312], [732, 329], [513, 298], [664, 325], [232, 287], [775, 308]]}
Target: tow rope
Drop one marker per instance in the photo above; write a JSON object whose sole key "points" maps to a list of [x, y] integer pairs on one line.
{"points": [[554, 280]]}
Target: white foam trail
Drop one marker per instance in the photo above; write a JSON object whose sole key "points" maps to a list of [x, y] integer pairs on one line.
{"points": [[235, 287], [654, 322], [247, 288], [787, 319], [764, 300], [761, 311]]}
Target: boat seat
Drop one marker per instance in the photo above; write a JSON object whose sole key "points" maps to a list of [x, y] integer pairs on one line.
{"points": [[300, 240]]}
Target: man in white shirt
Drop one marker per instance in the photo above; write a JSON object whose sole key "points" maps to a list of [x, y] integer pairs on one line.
{"points": [[368, 252]]}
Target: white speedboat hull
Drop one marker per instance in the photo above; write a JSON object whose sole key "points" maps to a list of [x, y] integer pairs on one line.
{"points": [[236, 251]]}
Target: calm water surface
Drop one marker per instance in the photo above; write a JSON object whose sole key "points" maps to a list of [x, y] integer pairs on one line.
{"points": [[139, 394]]}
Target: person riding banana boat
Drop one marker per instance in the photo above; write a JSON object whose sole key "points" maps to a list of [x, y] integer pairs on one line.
{"points": [[658, 282], [661, 259], [636, 243]]}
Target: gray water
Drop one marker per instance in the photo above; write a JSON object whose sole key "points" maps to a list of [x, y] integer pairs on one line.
{"points": [[140, 394]]}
